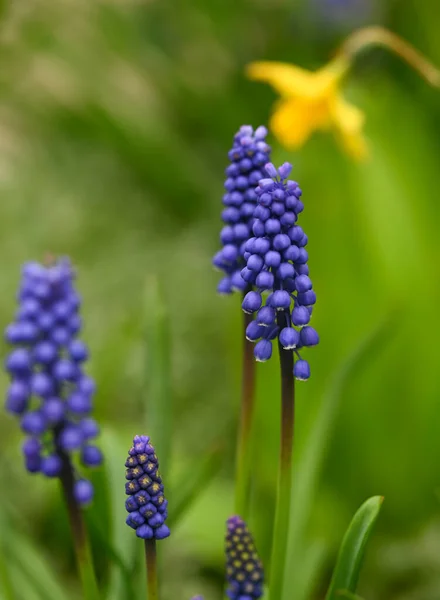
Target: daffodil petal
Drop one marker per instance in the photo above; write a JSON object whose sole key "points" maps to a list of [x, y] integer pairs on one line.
{"points": [[293, 121], [287, 80], [349, 121]]}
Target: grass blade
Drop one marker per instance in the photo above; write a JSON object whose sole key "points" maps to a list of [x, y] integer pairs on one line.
{"points": [[309, 465], [352, 551], [158, 372]]}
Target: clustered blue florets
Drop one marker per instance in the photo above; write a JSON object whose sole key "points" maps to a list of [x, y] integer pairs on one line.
{"points": [[49, 390], [276, 261], [249, 154], [146, 503], [244, 570]]}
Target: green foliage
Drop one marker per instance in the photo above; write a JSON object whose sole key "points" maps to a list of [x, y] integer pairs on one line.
{"points": [[351, 553], [115, 119]]}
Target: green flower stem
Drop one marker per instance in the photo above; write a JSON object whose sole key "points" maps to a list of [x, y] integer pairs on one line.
{"points": [[282, 511], [151, 565], [82, 549], [244, 443]]}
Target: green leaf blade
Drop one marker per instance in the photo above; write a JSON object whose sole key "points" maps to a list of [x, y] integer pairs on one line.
{"points": [[352, 551]]}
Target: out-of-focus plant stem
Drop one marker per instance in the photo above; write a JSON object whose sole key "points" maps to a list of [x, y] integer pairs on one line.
{"points": [[244, 442], [281, 525]]}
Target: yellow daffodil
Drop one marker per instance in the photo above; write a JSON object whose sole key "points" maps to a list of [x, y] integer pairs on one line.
{"points": [[312, 101]]}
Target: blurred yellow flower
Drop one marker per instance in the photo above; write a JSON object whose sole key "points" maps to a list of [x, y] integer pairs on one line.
{"points": [[312, 101]]}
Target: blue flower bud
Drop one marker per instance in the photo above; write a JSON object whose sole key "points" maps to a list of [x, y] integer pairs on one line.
{"points": [[295, 234], [51, 465], [53, 410], [258, 228], [307, 298], [265, 280], [224, 286], [281, 300], [83, 491], [33, 423], [272, 258], [91, 456], [303, 256], [265, 200], [255, 262], [303, 283], [261, 213], [300, 316], [291, 253], [17, 398], [261, 246], [272, 226], [45, 352], [281, 242], [278, 210], [266, 316], [289, 338], [285, 271], [271, 171], [301, 370], [248, 275], [263, 350], [251, 302], [302, 269], [309, 337], [18, 361], [285, 170]]}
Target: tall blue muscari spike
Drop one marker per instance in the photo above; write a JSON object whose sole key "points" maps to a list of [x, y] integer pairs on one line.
{"points": [[249, 154], [49, 390], [146, 503], [276, 262]]}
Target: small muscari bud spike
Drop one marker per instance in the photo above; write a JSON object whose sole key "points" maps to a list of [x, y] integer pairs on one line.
{"points": [[146, 504], [276, 262], [244, 570], [247, 158], [47, 370]]}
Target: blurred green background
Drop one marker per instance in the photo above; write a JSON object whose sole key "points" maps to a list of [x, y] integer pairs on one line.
{"points": [[115, 121]]}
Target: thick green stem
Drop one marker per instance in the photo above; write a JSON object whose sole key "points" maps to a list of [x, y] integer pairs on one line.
{"points": [[282, 511], [82, 549], [244, 442], [151, 566]]}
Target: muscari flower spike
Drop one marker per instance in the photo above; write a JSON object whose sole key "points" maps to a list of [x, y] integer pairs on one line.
{"points": [[276, 261], [248, 155], [146, 503], [244, 570], [49, 390]]}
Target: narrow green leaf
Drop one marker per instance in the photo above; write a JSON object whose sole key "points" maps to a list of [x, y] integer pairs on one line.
{"points": [[352, 550], [307, 469], [123, 543], [33, 568], [158, 392]]}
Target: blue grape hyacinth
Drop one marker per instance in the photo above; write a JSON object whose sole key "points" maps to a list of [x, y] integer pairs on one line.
{"points": [[248, 155], [49, 390], [276, 262], [244, 570], [146, 503]]}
